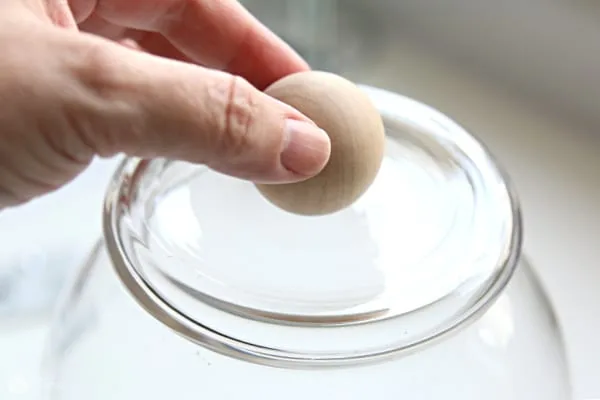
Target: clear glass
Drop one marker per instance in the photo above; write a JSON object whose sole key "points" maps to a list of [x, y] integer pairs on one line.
{"points": [[36, 259], [201, 288], [105, 346]]}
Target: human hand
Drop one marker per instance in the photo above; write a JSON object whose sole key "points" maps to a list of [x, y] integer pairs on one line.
{"points": [[148, 78]]}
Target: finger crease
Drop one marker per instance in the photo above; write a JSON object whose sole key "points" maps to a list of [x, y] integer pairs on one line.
{"points": [[86, 145], [229, 108], [9, 198], [19, 175]]}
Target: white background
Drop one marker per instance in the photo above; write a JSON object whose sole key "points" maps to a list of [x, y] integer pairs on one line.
{"points": [[554, 162]]}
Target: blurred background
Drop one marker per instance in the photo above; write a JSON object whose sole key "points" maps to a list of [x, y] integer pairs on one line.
{"points": [[524, 76]]}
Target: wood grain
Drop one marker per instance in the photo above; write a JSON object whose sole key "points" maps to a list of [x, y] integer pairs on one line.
{"points": [[357, 143]]}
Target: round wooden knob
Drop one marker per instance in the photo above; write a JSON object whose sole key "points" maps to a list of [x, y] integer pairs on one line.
{"points": [[357, 136]]}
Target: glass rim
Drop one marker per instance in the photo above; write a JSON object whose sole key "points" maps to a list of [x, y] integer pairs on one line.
{"points": [[125, 178]]}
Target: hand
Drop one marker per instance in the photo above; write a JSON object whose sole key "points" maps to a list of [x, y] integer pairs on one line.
{"points": [[179, 79]]}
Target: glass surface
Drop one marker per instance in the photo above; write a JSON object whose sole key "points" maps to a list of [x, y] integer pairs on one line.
{"points": [[105, 346], [36, 258], [201, 288], [433, 238]]}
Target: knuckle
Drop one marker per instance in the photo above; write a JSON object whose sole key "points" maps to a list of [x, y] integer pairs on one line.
{"points": [[96, 68], [239, 114], [101, 106]]}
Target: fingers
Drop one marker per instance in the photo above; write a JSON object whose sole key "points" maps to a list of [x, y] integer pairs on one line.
{"points": [[133, 102], [36, 154], [219, 34], [222, 34]]}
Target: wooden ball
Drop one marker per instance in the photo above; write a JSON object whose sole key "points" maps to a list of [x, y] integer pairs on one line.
{"points": [[357, 136]]}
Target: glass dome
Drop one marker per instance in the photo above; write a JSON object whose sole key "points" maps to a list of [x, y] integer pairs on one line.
{"points": [[201, 287]]}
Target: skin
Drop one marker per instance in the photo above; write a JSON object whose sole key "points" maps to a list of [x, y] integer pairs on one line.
{"points": [[181, 79]]}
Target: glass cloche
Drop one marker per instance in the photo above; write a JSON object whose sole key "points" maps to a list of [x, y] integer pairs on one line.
{"points": [[201, 288]]}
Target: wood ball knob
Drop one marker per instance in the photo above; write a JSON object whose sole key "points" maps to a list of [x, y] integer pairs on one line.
{"points": [[357, 136]]}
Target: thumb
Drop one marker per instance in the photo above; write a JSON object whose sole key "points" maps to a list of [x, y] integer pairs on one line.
{"points": [[147, 106]]}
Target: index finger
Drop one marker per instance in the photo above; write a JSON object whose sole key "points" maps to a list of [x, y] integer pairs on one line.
{"points": [[219, 34]]}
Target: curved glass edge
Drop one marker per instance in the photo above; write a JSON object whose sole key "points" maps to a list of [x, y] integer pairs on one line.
{"points": [[116, 201]]}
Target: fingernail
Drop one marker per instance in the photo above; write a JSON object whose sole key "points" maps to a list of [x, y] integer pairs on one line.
{"points": [[306, 148]]}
